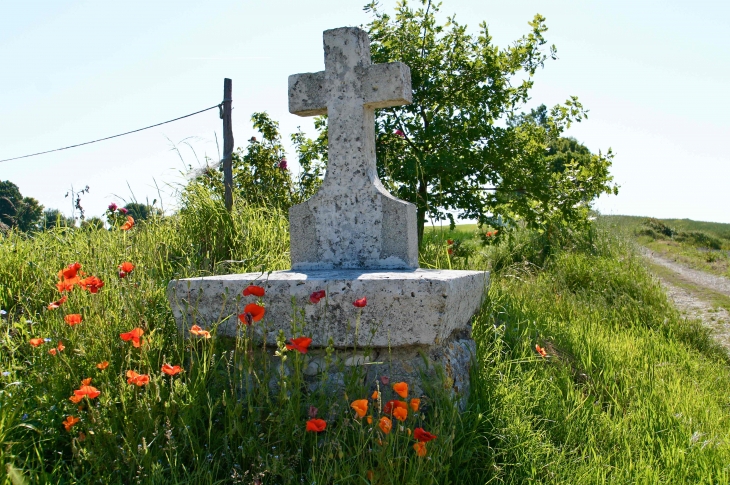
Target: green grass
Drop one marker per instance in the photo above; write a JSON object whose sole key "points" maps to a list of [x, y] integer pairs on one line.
{"points": [[688, 244], [630, 392]]}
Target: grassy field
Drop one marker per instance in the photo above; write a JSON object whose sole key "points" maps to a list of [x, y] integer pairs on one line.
{"points": [[627, 391], [700, 245]]}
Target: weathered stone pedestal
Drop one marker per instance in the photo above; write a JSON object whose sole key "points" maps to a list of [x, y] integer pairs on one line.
{"points": [[412, 317], [352, 239]]}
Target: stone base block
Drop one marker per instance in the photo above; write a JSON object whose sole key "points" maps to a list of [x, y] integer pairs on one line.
{"points": [[404, 308]]}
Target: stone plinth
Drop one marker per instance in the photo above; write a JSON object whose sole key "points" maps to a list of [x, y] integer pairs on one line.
{"points": [[404, 308]]}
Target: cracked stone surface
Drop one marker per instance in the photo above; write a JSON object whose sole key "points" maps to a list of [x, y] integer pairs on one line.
{"points": [[407, 307]]}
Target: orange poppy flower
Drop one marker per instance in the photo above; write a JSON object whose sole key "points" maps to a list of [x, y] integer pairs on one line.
{"points": [[401, 388], [67, 284], [316, 425], [128, 225], [370, 475], [375, 395], [370, 420], [86, 390], [69, 271], [73, 319], [421, 435], [385, 425], [360, 406], [361, 302], [52, 351], [199, 332], [171, 370], [92, 284], [133, 335], [300, 344], [400, 414], [125, 268], [70, 422], [420, 448], [415, 404], [35, 342], [254, 290], [102, 365], [59, 348], [138, 380], [75, 399], [540, 351], [56, 304]]}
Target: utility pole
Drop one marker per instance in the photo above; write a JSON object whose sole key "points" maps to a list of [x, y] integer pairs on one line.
{"points": [[227, 143]]}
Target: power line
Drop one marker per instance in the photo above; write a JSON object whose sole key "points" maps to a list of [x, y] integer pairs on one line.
{"points": [[115, 136]]}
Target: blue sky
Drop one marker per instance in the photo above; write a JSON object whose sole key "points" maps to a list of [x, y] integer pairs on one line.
{"points": [[654, 75]]}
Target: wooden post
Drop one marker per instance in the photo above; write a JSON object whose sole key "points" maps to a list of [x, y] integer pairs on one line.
{"points": [[227, 143]]}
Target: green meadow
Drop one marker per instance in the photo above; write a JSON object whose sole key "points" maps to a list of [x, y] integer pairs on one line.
{"points": [[627, 392]]}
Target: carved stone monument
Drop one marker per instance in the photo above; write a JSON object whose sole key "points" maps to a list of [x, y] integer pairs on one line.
{"points": [[352, 239]]}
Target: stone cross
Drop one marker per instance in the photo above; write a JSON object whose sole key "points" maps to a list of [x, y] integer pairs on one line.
{"points": [[352, 222]]}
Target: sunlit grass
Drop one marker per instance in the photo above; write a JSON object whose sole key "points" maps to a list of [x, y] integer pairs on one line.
{"points": [[629, 391]]}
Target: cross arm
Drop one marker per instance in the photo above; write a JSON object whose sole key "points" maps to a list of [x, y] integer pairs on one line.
{"points": [[307, 94], [386, 85]]}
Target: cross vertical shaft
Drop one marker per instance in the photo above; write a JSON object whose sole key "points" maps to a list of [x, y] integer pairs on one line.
{"points": [[352, 222]]}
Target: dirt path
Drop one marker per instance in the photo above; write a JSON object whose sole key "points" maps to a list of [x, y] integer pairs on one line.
{"points": [[687, 288]]}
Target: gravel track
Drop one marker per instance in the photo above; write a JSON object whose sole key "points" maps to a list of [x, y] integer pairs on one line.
{"points": [[717, 319]]}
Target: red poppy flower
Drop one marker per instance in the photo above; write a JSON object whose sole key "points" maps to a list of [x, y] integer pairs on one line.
{"points": [[92, 284], [69, 272], [449, 242], [540, 351], [421, 435], [75, 399], [316, 296], [171, 370], [300, 344], [56, 304], [394, 404], [361, 302], [451, 251], [401, 388], [254, 290], [128, 225], [360, 406], [73, 319], [415, 404], [316, 425], [252, 313], [67, 284], [59, 348], [138, 380], [35, 342], [199, 332], [52, 351], [133, 335], [69, 422], [102, 365], [420, 448], [385, 425], [125, 268]]}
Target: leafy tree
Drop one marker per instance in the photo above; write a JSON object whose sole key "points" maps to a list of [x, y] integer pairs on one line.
{"points": [[464, 134], [261, 174], [54, 217], [16, 210], [140, 212]]}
